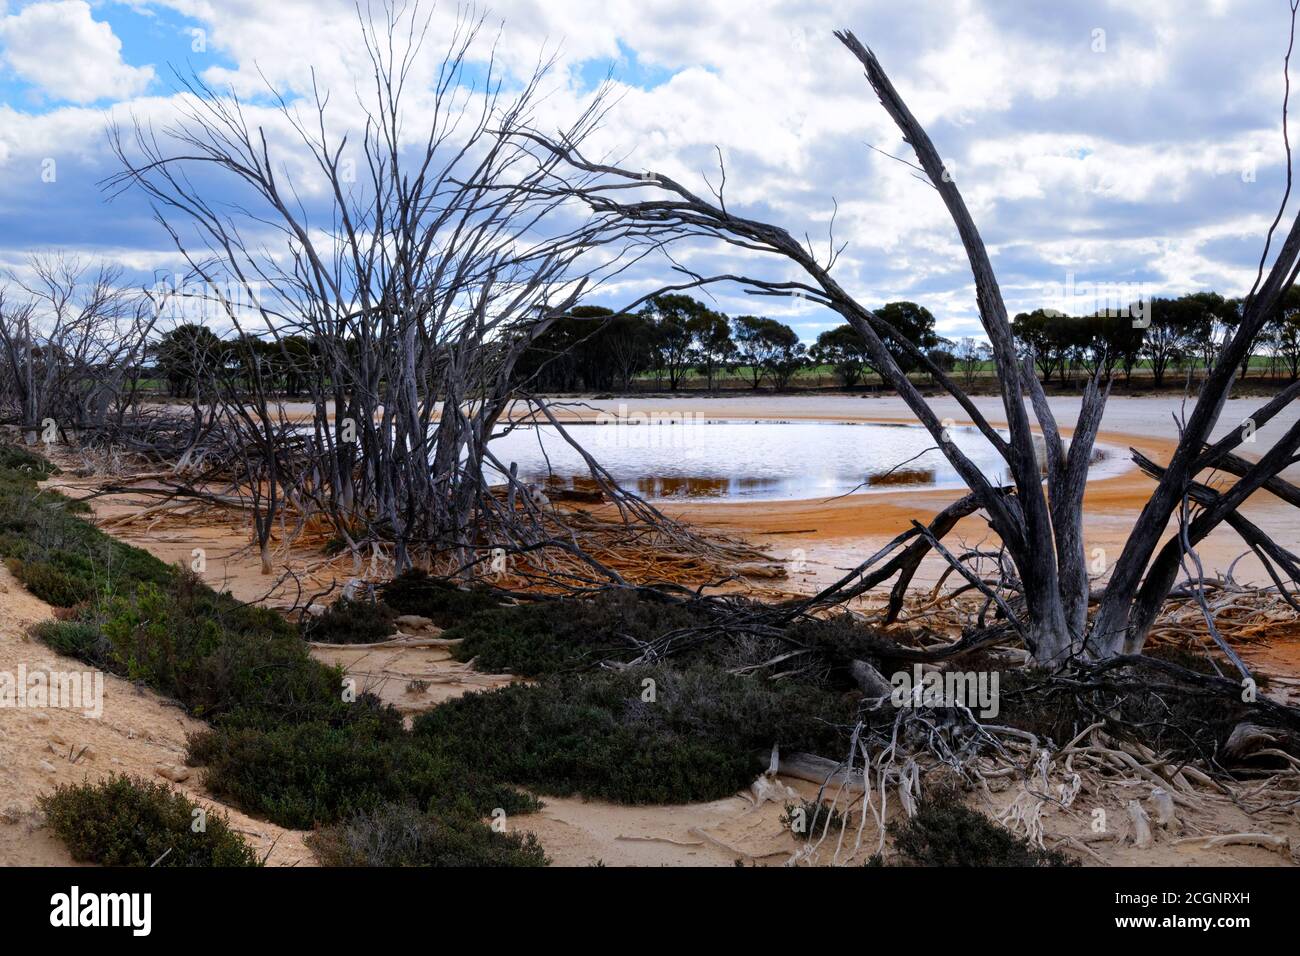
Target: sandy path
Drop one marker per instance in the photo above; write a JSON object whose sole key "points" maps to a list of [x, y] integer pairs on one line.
{"points": [[411, 679]]}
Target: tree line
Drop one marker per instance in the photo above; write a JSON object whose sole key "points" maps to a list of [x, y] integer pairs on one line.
{"points": [[1174, 335], [596, 349], [673, 336]]}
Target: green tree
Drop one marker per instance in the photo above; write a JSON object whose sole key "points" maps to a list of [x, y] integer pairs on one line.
{"points": [[714, 347], [844, 350], [675, 319], [1051, 337], [768, 348], [1107, 341], [1284, 333], [1208, 316], [187, 355], [912, 323], [1177, 326]]}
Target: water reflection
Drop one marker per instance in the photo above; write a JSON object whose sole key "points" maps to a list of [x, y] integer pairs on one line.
{"points": [[744, 460], [902, 476], [682, 487]]}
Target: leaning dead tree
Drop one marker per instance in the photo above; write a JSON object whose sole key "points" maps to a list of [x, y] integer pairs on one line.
{"points": [[1038, 516], [400, 272]]}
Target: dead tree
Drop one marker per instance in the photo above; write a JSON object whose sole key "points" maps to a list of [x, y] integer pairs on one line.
{"points": [[1040, 517], [72, 340], [418, 282]]}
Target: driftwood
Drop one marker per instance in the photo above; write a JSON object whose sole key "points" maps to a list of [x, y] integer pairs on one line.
{"points": [[820, 770], [872, 683], [1248, 740], [1268, 841]]}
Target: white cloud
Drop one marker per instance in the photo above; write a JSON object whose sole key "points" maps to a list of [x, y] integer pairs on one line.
{"points": [[1121, 164], [60, 48]]}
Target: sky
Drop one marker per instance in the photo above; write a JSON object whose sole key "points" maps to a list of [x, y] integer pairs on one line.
{"points": [[1100, 146]]}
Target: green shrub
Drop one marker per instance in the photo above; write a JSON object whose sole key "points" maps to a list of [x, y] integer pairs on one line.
{"points": [[208, 651], [836, 642], [416, 592], [402, 835], [124, 821], [704, 736], [74, 638], [1184, 724], [352, 622], [945, 832], [60, 557], [16, 459], [311, 774], [59, 586], [1192, 659], [550, 637]]}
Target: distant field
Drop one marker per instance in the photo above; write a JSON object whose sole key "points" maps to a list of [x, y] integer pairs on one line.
{"points": [[823, 376]]}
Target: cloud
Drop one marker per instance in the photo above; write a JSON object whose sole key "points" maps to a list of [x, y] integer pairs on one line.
{"points": [[1153, 157], [61, 49]]}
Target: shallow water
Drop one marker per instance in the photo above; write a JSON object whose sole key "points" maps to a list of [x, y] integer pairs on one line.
{"points": [[746, 460]]}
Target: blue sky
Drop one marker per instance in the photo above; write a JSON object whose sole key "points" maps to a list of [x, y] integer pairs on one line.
{"points": [[1096, 142]]}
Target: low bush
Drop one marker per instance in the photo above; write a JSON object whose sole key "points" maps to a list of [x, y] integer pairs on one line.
{"points": [[1191, 658], [551, 637], [1162, 712], [945, 832], [142, 619], [23, 462], [402, 835], [352, 622], [61, 558], [312, 774], [74, 638], [124, 821], [836, 642], [206, 650], [54, 583], [704, 734], [417, 592]]}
